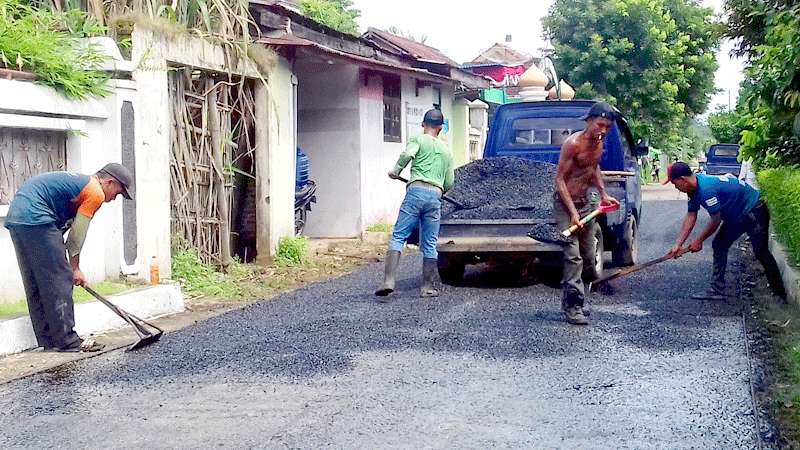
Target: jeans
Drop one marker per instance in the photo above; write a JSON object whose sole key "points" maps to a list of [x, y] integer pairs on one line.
{"points": [[578, 254], [756, 225], [47, 277], [421, 207]]}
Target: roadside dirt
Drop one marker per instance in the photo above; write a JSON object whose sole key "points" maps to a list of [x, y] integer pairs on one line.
{"points": [[771, 327]]}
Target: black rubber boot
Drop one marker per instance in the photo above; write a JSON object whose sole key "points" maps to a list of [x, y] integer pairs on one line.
{"points": [[390, 272], [429, 270]]}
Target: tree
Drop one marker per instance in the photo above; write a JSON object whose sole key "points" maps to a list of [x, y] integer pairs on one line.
{"points": [[654, 59], [726, 125], [769, 33], [337, 14]]}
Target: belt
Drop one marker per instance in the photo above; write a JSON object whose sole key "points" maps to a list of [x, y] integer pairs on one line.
{"points": [[425, 185]]}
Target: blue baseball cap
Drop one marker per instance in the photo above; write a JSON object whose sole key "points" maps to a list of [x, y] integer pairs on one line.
{"points": [[433, 117]]}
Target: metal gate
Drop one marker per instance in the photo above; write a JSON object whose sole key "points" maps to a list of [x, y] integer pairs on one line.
{"points": [[25, 153]]}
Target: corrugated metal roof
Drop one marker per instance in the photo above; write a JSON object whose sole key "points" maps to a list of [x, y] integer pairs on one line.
{"points": [[414, 49]]}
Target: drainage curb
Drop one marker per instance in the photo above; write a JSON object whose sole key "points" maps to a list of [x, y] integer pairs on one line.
{"points": [[16, 335], [789, 273]]}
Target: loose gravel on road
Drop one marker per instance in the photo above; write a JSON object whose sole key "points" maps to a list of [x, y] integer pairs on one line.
{"points": [[483, 366]]}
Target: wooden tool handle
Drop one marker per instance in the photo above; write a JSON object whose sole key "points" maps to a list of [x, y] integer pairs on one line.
{"points": [[568, 232]]}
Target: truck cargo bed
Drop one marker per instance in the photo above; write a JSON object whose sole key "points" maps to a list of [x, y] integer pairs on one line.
{"points": [[477, 235]]}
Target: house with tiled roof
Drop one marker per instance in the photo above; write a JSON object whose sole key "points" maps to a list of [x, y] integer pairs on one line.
{"points": [[351, 103]]}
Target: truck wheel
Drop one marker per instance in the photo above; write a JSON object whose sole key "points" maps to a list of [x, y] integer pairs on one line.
{"points": [[451, 269], [627, 253]]}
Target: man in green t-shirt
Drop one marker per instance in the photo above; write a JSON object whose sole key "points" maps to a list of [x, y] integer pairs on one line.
{"points": [[431, 176]]}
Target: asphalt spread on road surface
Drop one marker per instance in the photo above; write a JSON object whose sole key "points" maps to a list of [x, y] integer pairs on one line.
{"points": [[487, 365]]}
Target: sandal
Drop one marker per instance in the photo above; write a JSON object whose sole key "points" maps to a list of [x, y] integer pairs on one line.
{"points": [[84, 346]]}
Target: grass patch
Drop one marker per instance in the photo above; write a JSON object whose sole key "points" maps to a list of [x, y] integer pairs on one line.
{"points": [[205, 287], [292, 252], [380, 228], [781, 190], [106, 288], [199, 278]]}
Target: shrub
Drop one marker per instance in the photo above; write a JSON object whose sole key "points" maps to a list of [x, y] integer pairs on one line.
{"points": [[781, 190], [47, 44], [292, 251]]}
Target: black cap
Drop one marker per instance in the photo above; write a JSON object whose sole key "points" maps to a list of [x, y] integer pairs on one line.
{"points": [[122, 175], [433, 118], [676, 170], [600, 109]]}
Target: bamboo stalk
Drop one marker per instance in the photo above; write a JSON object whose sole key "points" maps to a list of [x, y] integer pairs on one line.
{"points": [[217, 151]]}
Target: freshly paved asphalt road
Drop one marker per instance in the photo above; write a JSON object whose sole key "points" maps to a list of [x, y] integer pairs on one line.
{"points": [[482, 366]]}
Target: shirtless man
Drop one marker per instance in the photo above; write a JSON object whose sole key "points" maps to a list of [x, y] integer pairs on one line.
{"points": [[578, 176]]}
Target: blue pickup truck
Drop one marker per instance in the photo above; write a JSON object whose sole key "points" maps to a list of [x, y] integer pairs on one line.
{"points": [[722, 159], [536, 130]]}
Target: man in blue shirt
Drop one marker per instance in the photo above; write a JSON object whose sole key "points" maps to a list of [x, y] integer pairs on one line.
{"points": [[735, 208]]}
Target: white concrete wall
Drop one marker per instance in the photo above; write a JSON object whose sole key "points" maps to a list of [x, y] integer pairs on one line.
{"points": [[153, 122], [152, 56], [92, 141], [329, 133], [381, 196], [282, 152]]}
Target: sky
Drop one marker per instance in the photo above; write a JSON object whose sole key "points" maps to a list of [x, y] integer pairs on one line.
{"points": [[462, 29]]}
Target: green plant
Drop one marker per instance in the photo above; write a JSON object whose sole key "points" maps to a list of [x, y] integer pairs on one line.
{"points": [[654, 59], [199, 278], [292, 251], [380, 228], [781, 190], [337, 14], [47, 44], [768, 33], [726, 125]]}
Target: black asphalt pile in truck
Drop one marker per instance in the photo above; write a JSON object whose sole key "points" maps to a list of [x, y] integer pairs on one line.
{"points": [[505, 188]]}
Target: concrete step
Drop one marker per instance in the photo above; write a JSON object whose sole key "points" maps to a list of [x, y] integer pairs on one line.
{"points": [[16, 335]]}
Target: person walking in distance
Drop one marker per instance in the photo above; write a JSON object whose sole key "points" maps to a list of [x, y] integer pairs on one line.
{"points": [[735, 208], [431, 176], [43, 209], [578, 176]]}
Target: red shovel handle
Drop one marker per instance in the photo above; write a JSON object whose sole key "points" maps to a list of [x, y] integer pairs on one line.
{"points": [[602, 209]]}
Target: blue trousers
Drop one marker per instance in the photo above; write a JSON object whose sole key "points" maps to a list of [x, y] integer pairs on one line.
{"points": [[421, 207]]}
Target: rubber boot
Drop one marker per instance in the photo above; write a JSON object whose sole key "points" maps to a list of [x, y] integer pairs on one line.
{"points": [[429, 270], [389, 274]]}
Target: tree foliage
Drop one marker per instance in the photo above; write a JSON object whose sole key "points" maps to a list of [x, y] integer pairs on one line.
{"points": [[654, 59], [769, 33], [337, 14], [726, 125]]}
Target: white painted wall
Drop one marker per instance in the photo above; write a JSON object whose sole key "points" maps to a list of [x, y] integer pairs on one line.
{"points": [[381, 196], [93, 141], [152, 55], [282, 152], [329, 133]]}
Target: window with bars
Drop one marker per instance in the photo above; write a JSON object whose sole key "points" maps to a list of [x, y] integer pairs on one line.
{"points": [[392, 110]]}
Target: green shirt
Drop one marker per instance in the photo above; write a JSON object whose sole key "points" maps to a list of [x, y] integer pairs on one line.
{"points": [[432, 161]]}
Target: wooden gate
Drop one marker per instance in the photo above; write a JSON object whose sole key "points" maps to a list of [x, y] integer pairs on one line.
{"points": [[25, 153], [212, 142]]}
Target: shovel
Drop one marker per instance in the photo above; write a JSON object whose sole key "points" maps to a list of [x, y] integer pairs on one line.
{"points": [[602, 209], [638, 267], [146, 337]]}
